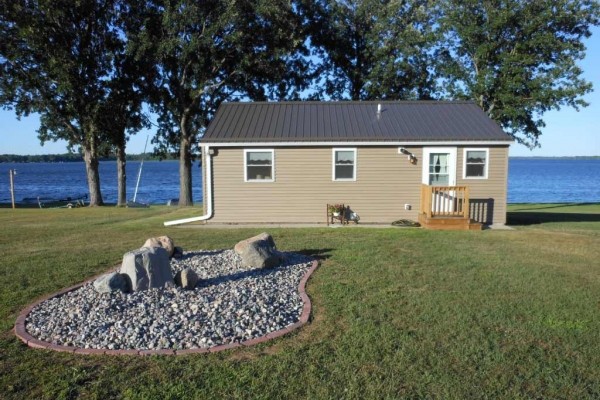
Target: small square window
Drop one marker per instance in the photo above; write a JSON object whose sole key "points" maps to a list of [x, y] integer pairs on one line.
{"points": [[344, 164], [259, 165], [476, 163]]}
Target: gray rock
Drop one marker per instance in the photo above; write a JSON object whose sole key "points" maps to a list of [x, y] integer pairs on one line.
{"points": [[240, 247], [186, 278], [257, 302], [258, 251], [111, 282], [147, 268], [178, 252], [161, 241]]}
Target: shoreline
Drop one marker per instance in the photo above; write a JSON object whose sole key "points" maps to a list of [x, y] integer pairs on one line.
{"points": [[199, 204]]}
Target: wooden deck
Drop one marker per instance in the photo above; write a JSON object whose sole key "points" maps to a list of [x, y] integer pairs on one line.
{"points": [[449, 223], [447, 208]]}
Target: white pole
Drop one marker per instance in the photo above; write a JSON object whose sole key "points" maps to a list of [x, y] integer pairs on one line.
{"points": [[11, 174], [137, 184]]}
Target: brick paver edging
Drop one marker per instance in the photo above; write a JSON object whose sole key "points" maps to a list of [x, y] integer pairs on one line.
{"points": [[38, 344]]}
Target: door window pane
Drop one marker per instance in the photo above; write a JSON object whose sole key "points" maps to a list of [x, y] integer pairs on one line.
{"points": [[438, 180], [439, 169]]}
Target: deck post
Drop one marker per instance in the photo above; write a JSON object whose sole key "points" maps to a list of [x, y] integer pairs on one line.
{"points": [[426, 195], [466, 204]]}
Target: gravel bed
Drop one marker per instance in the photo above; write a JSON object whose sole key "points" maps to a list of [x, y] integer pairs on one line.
{"points": [[230, 304]]}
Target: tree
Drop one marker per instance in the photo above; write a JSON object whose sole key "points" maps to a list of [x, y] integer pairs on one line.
{"points": [[372, 49], [122, 115], [57, 58], [209, 51], [517, 59], [121, 111]]}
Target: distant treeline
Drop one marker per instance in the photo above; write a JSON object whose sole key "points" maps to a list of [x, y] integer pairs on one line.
{"points": [[72, 157]]}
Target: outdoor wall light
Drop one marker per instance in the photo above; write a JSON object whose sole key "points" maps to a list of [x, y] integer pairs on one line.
{"points": [[411, 157]]}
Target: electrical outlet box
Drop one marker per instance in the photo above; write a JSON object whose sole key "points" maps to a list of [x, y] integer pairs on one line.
{"points": [[407, 207]]}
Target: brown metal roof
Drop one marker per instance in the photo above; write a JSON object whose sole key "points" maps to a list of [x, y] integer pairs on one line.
{"points": [[346, 121]]}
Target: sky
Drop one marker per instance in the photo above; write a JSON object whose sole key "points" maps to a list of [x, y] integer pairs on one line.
{"points": [[567, 132]]}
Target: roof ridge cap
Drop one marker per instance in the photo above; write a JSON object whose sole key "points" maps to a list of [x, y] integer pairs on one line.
{"points": [[346, 102]]}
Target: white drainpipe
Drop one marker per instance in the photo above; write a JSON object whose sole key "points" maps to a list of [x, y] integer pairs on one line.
{"points": [[208, 196]]}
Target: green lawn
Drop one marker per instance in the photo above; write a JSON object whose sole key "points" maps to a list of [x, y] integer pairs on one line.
{"points": [[397, 312]]}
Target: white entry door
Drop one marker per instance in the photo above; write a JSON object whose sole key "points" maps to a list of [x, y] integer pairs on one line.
{"points": [[439, 169], [439, 166]]}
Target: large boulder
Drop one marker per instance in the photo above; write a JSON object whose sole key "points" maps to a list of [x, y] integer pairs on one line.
{"points": [[240, 247], [147, 268], [112, 282], [258, 251], [186, 278], [161, 241]]}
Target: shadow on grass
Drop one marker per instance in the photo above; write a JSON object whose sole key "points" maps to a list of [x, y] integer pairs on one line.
{"points": [[534, 217], [319, 254], [19, 205], [527, 207]]}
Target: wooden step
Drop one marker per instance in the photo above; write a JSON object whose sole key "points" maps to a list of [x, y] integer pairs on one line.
{"points": [[475, 226], [449, 223]]}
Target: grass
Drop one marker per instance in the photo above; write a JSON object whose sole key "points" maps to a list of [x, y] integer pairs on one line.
{"points": [[397, 313]]}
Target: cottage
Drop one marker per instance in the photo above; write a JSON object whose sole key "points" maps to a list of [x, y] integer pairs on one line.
{"points": [[444, 163]]}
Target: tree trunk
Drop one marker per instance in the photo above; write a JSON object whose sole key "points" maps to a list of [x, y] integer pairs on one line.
{"points": [[90, 156], [121, 176], [356, 85], [185, 171]]}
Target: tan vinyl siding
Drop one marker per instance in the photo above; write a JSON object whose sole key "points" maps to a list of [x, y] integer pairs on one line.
{"points": [[385, 182], [488, 196]]}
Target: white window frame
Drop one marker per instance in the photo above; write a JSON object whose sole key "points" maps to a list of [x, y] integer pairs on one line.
{"points": [[352, 149], [272, 151], [452, 167], [485, 168]]}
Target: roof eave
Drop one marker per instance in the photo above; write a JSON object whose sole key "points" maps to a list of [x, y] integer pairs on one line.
{"points": [[323, 143]]}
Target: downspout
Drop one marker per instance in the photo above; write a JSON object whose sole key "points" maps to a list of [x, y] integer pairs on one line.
{"points": [[208, 196]]}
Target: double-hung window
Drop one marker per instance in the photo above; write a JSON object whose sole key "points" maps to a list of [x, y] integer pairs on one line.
{"points": [[259, 165], [476, 163], [344, 164]]}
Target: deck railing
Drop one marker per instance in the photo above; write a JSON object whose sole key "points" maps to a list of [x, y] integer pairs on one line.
{"points": [[445, 201]]}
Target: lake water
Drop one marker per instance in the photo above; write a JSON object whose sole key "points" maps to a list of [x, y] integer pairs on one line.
{"points": [[159, 183], [529, 181], [553, 180]]}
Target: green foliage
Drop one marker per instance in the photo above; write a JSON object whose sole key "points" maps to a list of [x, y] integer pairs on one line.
{"points": [[371, 49], [87, 66], [517, 59], [209, 51], [66, 60], [55, 56]]}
